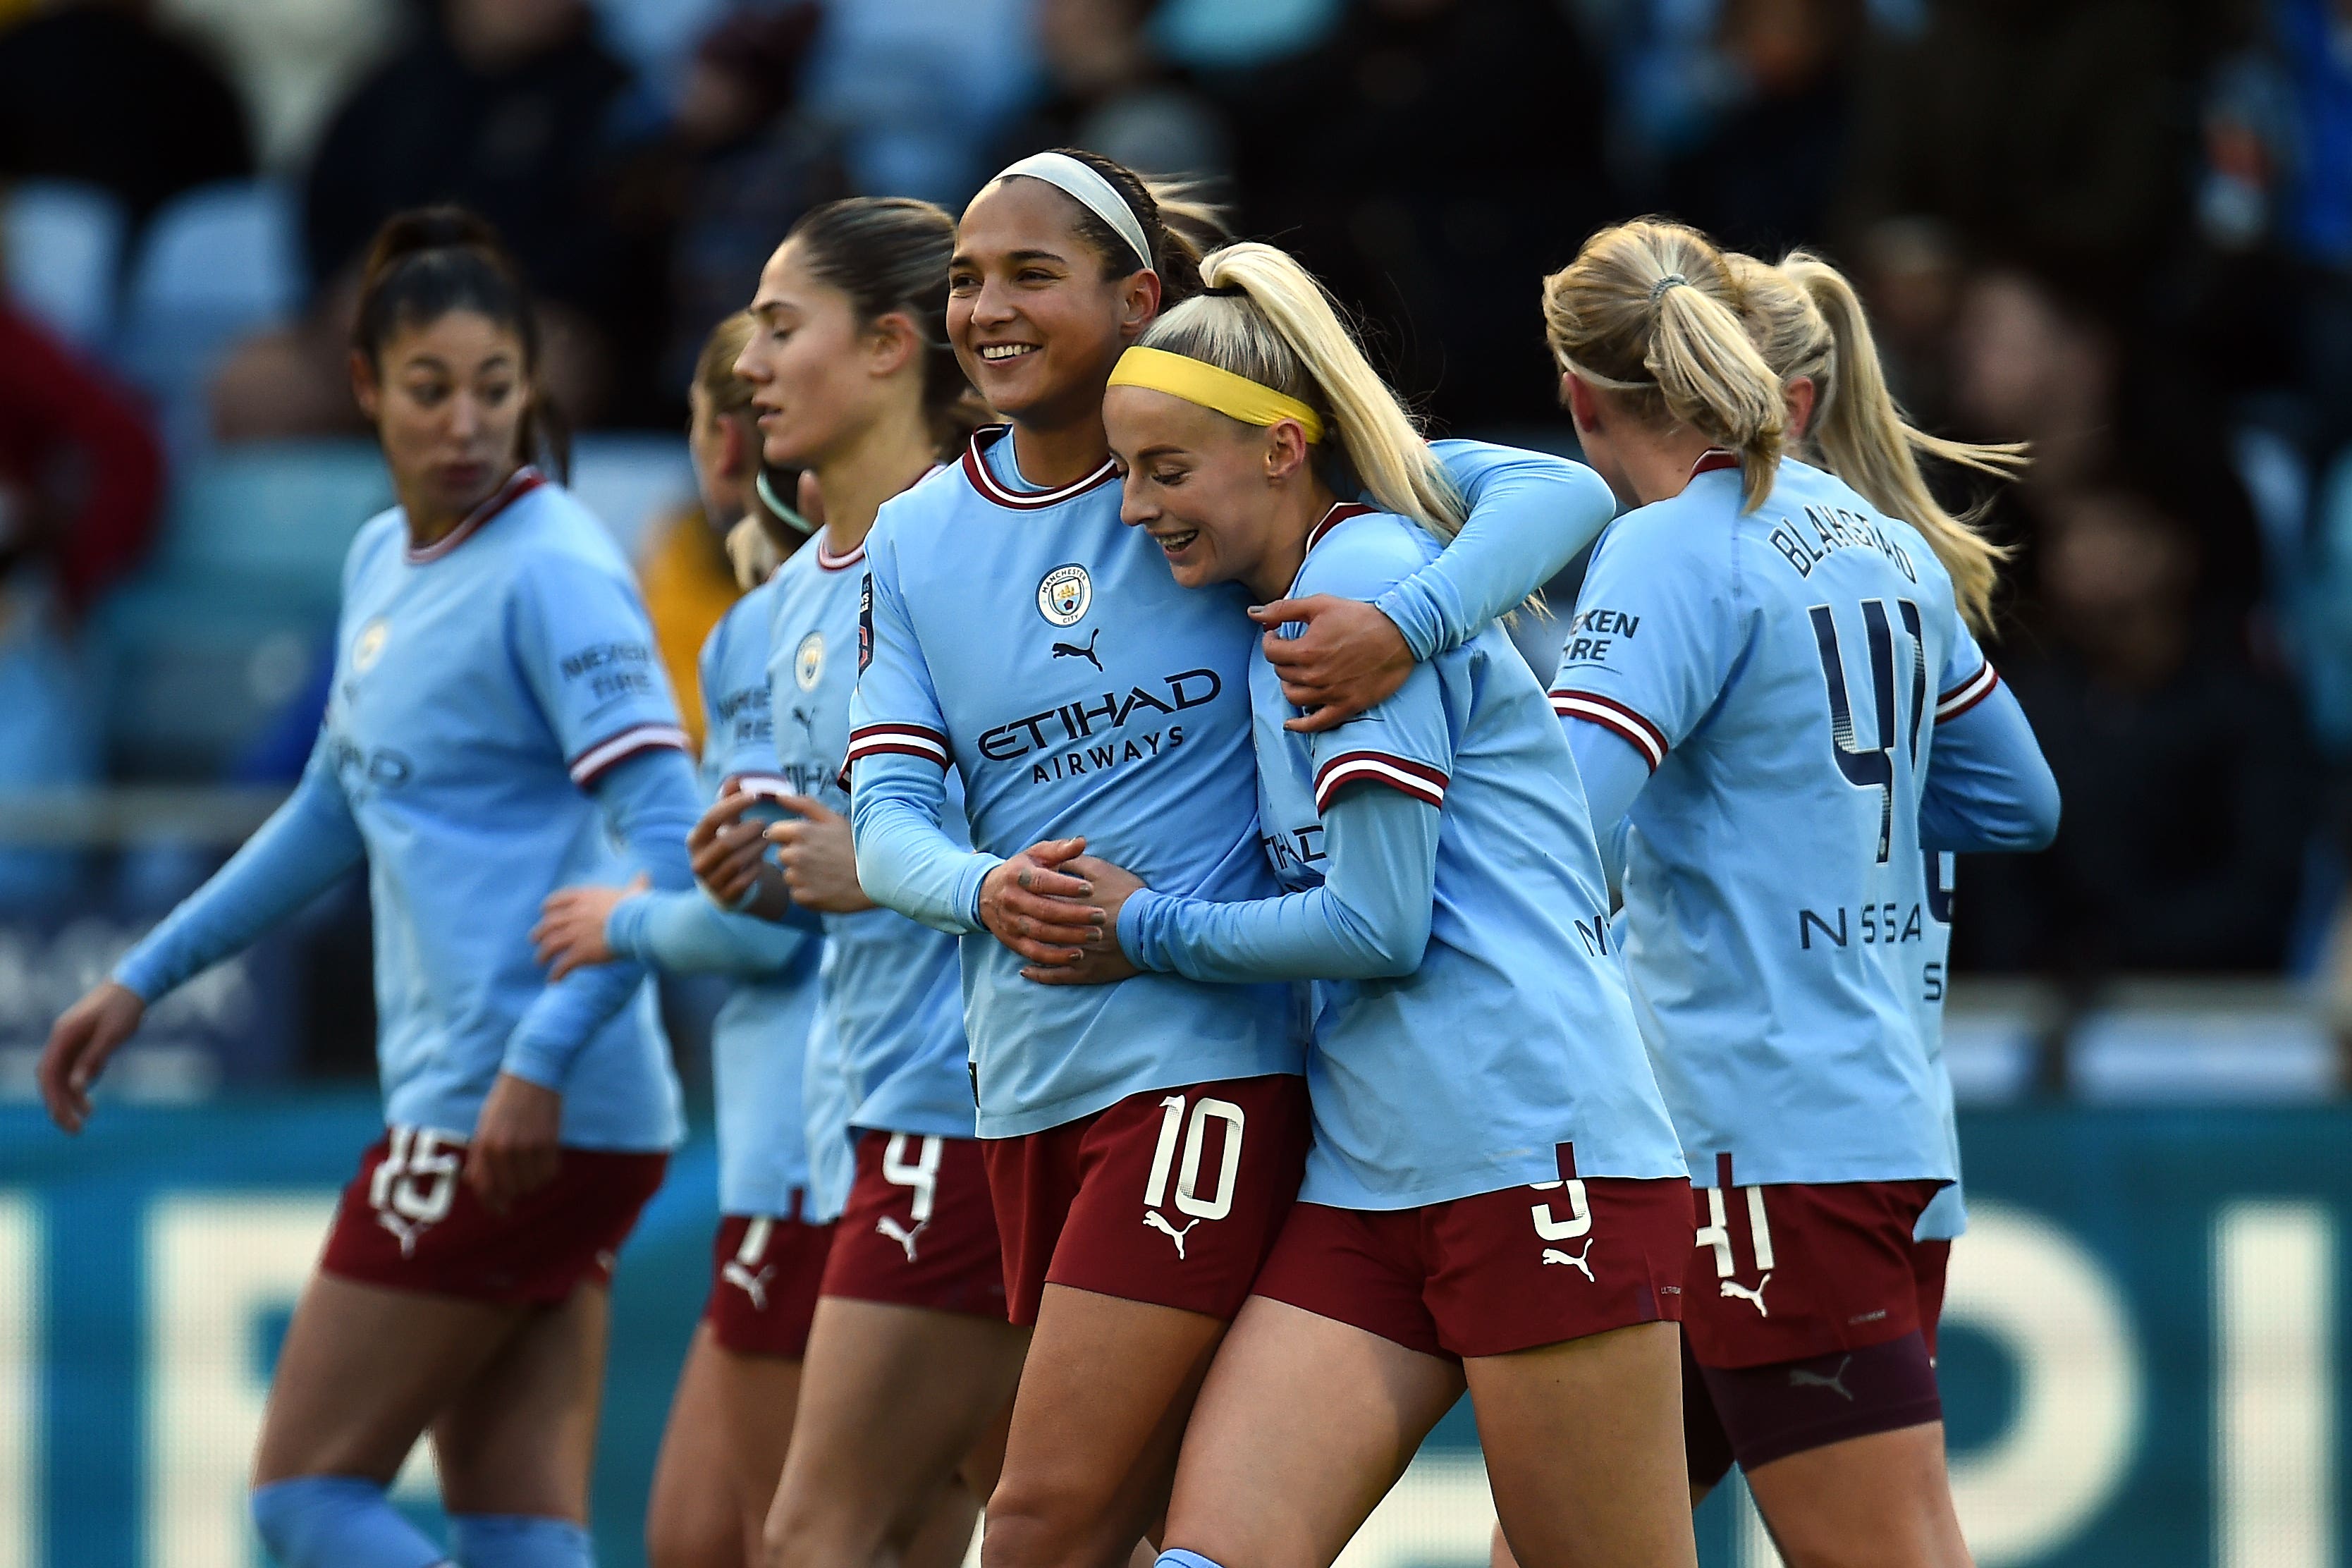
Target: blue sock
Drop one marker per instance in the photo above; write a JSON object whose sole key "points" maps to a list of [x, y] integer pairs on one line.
{"points": [[337, 1521], [518, 1540], [1186, 1560]]}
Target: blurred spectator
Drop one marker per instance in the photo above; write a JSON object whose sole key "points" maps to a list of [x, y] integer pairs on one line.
{"points": [[748, 160], [1109, 89], [2190, 791], [292, 60], [1430, 161], [81, 472], [2041, 128], [920, 88], [2030, 363], [503, 106], [79, 476], [94, 91], [1763, 178]]}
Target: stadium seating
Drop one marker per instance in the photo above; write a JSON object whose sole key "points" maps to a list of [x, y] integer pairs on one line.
{"points": [[223, 624], [217, 264], [63, 244]]}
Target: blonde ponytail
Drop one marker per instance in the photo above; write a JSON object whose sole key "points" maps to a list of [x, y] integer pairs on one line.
{"points": [[1866, 442], [755, 555], [1648, 310], [1266, 319]]}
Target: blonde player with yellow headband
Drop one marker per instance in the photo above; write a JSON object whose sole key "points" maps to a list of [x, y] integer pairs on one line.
{"points": [[1495, 1198], [1143, 1139]]}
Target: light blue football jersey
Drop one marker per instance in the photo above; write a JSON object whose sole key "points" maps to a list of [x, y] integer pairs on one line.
{"points": [[479, 685], [892, 989], [1511, 1056], [1038, 646], [1781, 672], [758, 1040], [1947, 1217]]}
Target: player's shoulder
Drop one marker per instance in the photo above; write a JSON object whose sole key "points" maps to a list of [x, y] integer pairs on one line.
{"points": [[935, 501], [1358, 552], [551, 523], [1693, 536], [381, 538], [744, 624]]}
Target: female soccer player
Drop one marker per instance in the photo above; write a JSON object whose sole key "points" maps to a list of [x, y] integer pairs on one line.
{"points": [[496, 721], [1483, 1108], [1021, 637], [731, 1418], [911, 1363], [1747, 683]]}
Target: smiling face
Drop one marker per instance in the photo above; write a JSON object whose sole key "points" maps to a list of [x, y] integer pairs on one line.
{"points": [[814, 381], [1034, 320], [447, 398], [1225, 501]]}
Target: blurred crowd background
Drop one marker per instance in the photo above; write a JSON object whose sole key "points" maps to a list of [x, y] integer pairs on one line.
{"points": [[2119, 229]]}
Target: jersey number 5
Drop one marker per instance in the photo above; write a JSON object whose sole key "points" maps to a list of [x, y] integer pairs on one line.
{"points": [[1872, 767]]}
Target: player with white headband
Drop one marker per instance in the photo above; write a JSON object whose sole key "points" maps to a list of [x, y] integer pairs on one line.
{"points": [[1144, 1139]]}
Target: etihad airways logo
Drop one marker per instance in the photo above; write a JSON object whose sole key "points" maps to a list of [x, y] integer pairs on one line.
{"points": [[1093, 727]]}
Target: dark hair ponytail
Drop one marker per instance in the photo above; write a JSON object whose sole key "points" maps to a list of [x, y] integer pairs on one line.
{"points": [[429, 261], [1181, 227], [890, 254]]}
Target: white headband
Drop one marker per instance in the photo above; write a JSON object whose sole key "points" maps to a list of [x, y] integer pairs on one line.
{"points": [[1090, 190]]}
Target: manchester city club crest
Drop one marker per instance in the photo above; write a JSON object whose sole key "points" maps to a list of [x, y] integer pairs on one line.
{"points": [[1064, 594], [369, 647], [808, 663]]}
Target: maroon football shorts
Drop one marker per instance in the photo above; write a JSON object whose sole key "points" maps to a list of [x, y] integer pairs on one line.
{"points": [[1782, 1273], [1494, 1273], [1172, 1196], [919, 1229], [764, 1271], [409, 1222]]}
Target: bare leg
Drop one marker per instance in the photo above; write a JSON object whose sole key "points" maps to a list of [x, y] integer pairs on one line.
{"points": [[1584, 1450], [1303, 1426], [694, 1516], [1104, 1399], [1884, 1499], [340, 1406], [892, 1400], [520, 1437]]}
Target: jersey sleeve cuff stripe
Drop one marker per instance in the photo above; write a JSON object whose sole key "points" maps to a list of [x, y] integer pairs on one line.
{"points": [[1636, 731], [897, 739], [1968, 693], [1419, 780], [597, 760]]}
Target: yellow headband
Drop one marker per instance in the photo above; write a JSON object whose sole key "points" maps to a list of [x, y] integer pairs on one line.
{"points": [[1196, 380]]}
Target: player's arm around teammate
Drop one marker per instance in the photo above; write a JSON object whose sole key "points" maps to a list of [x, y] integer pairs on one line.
{"points": [[1127, 700], [1521, 1231], [493, 674]]}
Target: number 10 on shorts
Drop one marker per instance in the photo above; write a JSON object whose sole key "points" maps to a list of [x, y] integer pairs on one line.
{"points": [[1176, 1128]]}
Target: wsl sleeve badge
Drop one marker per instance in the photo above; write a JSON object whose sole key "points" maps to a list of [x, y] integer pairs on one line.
{"points": [[866, 624], [1064, 594]]}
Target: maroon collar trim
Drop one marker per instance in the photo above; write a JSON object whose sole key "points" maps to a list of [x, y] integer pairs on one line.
{"points": [[524, 480], [991, 488]]}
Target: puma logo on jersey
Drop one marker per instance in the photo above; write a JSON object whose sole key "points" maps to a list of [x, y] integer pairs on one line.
{"points": [[1835, 1382], [1152, 1217], [1734, 1290], [891, 1227], [1072, 651], [1554, 1255], [753, 1285]]}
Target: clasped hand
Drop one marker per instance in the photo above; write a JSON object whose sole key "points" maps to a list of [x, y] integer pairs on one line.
{"points": [[1058, 907]]}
